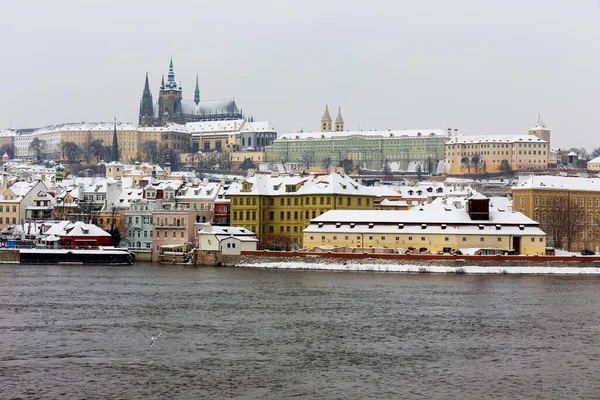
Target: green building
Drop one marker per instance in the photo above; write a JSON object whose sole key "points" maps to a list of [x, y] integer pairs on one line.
{"points": [[402, 150]]}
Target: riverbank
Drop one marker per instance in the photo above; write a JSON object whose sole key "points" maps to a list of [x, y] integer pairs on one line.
{"points": [[462, 265], [376, 266]]}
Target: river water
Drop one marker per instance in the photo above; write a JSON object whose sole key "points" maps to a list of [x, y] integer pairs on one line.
{"points": [[233, 333]]}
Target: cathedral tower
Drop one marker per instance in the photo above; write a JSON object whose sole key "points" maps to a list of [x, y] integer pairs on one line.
{"points": [[339, 121], [169, 100], [197, 92], [326, 121], [540, 130], [146, 106]]}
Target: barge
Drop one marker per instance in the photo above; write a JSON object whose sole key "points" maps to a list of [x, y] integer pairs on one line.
{"points": [[101, 256]]}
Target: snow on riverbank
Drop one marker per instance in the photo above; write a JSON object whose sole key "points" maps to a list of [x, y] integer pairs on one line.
{"points": [[469, 269]]}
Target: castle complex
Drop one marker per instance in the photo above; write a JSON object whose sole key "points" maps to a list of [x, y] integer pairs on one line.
{"points": [[172, 108]]}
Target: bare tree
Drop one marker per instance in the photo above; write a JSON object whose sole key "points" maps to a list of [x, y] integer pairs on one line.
{"points": [[348, 165], [36, 146], [505, 168], [563, 222], [326, 164], [465, 164], [387, 170], [475, 162]]}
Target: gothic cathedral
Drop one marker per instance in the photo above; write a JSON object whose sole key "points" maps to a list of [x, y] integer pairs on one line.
{"points": [[172, 108]]}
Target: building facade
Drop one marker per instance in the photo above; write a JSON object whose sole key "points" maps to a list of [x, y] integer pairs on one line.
{"points": [[280, 207], [466, 154], [567, 208], [443, 226], [401, 150]]}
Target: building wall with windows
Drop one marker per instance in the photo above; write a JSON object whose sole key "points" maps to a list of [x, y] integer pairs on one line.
{"points": [[542, 197], [367, 149], [440, 226], [275, 206], [478, 154], [173, 227]]}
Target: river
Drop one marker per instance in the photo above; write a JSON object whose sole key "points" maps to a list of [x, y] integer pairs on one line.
{"points": [[241, 333]]}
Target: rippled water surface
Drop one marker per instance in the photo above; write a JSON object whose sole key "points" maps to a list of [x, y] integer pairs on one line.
{"points": [[227, 333]]}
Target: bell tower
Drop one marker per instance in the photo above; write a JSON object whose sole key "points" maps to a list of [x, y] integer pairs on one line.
{"points": [[326, 121], [540, 130], [339, 121], [169, 99]]}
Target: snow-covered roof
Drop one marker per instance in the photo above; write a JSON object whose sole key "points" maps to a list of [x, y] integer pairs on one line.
{"points": [[8, 132], [209, 107], [258, 126], [468, 139], [436, 212], [375, 134], [82, 229], [231, 125], [86, 126], [594, 160], [559, 183], [208, 191], [334, 183], [171, 127]]}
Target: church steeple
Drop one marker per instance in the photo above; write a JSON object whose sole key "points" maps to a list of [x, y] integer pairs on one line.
{"points": [[326, 120], [540, 130], [115, 144], [197, 92], [171, 84], [146, 105], [339, 121]]}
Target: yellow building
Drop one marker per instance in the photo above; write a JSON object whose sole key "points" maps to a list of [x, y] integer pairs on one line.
{"points": [[594, 164], [495, 153], [277, 208], [567, 208], [441, 226]]}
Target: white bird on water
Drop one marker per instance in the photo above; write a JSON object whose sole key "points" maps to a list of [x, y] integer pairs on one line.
{"points": [[153, 339]]}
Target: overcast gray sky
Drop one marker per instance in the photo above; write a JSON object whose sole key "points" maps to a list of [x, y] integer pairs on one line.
{"points": [[484, 67]]}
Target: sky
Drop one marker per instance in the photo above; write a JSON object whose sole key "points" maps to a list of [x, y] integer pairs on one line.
{"points": [[482, 67]]}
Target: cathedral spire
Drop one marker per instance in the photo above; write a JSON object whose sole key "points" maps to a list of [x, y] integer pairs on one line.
{"points": [[115, 144], [197, 92], [539, 123], [339, 121], [146, 105], [146, 85], [171, 84], [326, 120]]}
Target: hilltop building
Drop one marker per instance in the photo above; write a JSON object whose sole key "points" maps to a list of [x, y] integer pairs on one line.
{"points": [[402, 150], [172, 108], [472, 154]]}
